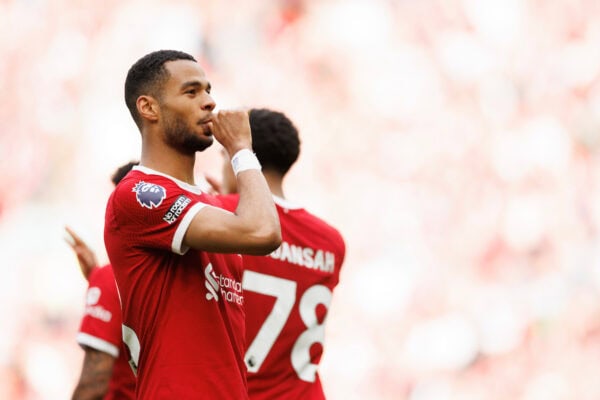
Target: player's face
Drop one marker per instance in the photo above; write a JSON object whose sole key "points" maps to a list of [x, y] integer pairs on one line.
{"points": [[186, 107]]}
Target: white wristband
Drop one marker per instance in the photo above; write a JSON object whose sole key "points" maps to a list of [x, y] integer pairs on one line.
{"points": [[244, 160]]}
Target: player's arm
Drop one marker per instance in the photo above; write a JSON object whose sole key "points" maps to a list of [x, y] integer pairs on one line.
{"points": [[95, 375], [254, 226]]}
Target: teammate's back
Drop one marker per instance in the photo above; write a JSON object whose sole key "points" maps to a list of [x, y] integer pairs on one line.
{"points": [[287, 293], [287, 296]]}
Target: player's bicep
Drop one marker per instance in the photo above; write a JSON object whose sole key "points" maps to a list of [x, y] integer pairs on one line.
{"points": [[95, 375], [220, 231]]}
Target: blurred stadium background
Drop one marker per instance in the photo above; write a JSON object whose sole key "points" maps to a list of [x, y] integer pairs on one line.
{"points": [[453, 142]]}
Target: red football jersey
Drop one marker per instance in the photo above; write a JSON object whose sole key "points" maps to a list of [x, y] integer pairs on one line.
{"points": [[287, 295], [101, 330], [183, 316]]}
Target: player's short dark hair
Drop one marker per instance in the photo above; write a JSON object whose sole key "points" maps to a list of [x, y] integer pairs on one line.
{"points": [[147, 76], [122, 171], [275, 139]]}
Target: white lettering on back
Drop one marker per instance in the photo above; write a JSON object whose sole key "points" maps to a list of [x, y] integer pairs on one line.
{"points": [[305, 257]]}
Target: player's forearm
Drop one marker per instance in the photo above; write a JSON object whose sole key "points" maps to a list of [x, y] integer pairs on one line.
{"points": [[95, 376], [257, 209]]}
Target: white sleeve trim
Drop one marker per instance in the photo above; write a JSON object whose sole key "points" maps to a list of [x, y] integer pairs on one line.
{"points": [[177, 244], [94, 342]]}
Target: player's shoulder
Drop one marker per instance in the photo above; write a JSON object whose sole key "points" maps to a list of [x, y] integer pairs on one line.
{"points": [[326, 230], [307, 217], [144, 186], [307, 224], [322, 223], [149, 188]]}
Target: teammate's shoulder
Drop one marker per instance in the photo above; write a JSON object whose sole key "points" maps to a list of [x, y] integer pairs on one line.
{"points": [[103, 271], [101, 276], [322, 223]]}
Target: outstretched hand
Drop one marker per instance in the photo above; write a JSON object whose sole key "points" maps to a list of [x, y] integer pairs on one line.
{"points": [[85, 255]]}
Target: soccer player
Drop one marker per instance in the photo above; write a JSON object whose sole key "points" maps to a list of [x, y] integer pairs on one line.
{"points": [[105, 373], [174, 252], [288, 292]]}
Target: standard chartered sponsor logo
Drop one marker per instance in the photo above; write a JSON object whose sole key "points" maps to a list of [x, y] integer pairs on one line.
{"points": [[211, 283], [229, 289]]}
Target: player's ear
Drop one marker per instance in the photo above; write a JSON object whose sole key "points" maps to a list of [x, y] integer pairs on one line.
{"points": [[148, 108]]}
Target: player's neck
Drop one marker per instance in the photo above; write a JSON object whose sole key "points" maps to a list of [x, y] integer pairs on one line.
{"points": [[275, 182], [169, 161]]}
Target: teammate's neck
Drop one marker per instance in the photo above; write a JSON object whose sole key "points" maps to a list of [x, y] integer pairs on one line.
{"points": [[275, 182]]}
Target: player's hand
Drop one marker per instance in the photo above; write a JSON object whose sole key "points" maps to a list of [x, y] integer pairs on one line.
{"points": [[85, 255], [232, 130]]}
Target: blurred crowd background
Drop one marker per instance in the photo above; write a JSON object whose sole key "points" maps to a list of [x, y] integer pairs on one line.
{"points": [[455, 144]]}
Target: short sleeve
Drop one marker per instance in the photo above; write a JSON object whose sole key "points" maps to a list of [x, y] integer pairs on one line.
{"points": [[100, 326], [154, 212]]}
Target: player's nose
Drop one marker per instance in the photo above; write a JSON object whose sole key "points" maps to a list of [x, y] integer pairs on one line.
{"points": [[208, 104]]}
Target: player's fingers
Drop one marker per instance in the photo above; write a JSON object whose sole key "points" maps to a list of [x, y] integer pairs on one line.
{"points": [[69, 241], [71, 232]]}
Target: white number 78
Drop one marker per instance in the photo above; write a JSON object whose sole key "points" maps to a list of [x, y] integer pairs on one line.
{"points": [[284, 291]]}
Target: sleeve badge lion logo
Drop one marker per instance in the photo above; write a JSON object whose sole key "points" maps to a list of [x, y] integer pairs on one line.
{"points": [[149, 195]]}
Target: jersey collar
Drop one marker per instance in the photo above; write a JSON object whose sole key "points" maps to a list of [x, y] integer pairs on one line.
{"points": [[181, 184], [281, 202]]}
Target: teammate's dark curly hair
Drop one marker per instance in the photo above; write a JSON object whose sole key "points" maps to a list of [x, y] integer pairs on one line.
{"points": [[147, 76], [274, 139], [122, 171]]}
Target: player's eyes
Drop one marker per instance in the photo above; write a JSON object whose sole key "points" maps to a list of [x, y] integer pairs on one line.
{"points": [[194, 91]]}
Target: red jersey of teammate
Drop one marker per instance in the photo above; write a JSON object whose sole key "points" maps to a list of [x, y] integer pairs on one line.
{"points": [[183, 317], [101, 330], [287, 295]]}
